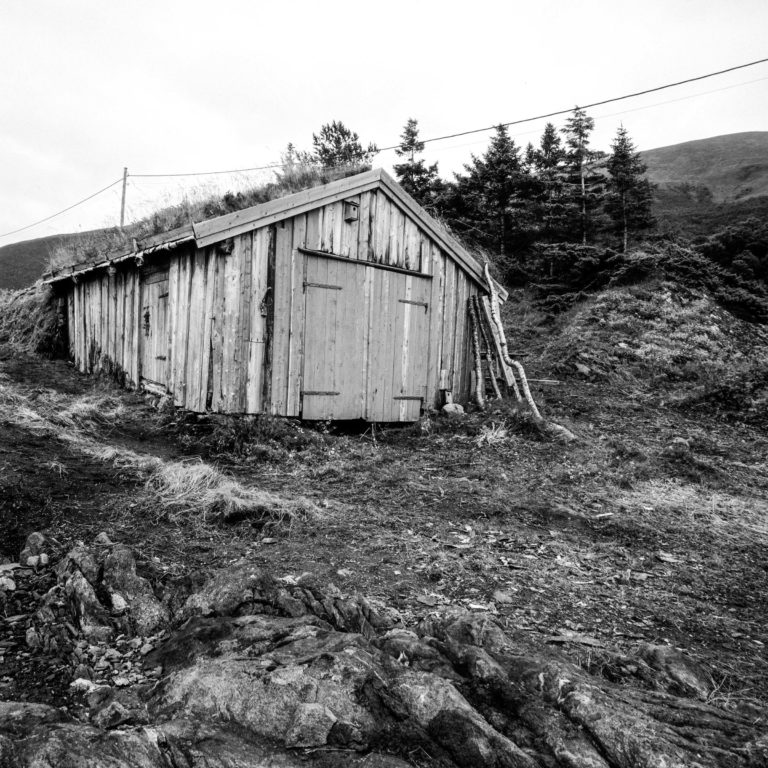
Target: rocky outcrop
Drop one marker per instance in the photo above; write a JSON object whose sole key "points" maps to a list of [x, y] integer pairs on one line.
{"points": [[262, 672]]}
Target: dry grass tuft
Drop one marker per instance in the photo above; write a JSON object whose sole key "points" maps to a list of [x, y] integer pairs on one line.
{"points": [[89, 412], [177, 490], [30, 322], [184, 487]]}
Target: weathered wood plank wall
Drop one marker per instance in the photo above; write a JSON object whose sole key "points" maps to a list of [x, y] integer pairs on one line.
{"points": [[238, 327]]}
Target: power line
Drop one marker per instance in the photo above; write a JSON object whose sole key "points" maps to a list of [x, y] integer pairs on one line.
{"points": [[271, 166], [63, 210], [205, 173], [594, 104], [488, 128]]}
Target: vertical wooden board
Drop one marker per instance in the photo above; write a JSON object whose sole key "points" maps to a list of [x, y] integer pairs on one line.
{"points": [[459, 347], [449, 319], [74, 327], [382, 229], [349, 232], [136, 336], [360, 251], [124, 311], [317, 376], [383, 341], [313, 232], [282, 316], [468, 360], [116, 321], [402, 382], [198, 274], [296, 330], [88, 322], [106, 327], [70, 324], [90, 344], [206, 341], [187, 320], [120, 282], [85, 325], [411, 244], [179, 311], [135, 312], [257, 307], [173, 324], [396, 236], [365, 329], [337, 226], [371, 385], [231, 325], [216, 364], [330, 320], [246, 299]]}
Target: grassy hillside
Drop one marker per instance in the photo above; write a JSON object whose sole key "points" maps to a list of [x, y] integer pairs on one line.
{"points": [[22, 263], [719, 169]]}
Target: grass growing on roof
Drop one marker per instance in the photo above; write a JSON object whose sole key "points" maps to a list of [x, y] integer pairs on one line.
{"points": [[98, 244]]}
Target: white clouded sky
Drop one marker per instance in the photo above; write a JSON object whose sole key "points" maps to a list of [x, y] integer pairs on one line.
{"points": [[161, 86]]}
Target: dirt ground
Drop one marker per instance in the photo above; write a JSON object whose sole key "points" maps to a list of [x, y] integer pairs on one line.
{"points": [[628, 535]]}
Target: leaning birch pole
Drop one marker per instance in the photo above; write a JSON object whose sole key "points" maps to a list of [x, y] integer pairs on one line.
{"points": [[491, 357], [494, 302], [479, 379]]}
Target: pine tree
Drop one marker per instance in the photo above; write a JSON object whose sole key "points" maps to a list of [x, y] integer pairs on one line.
{"points": [[493, 196], [585, 186], [629, 191], [548, 162], [337, 145], [417, 179]]}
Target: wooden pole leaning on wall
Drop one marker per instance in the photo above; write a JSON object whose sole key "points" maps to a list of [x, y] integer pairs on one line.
{"points": [[485, 344], [477, 351], [495, 316]]}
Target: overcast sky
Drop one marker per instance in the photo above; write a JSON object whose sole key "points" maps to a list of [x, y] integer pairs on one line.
{"points": [[160, 86]]}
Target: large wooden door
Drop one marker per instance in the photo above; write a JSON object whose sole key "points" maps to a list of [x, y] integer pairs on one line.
{"points": [[153, 333], [365, 341], [334, 342]]}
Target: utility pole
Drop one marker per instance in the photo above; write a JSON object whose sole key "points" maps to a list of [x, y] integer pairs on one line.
{"points": [[122, 202]]}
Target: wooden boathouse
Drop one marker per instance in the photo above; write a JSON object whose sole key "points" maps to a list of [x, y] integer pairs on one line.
{"points": [[344, 301]]}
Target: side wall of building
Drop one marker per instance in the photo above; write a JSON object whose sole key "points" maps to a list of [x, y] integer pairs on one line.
{"points": [[103, 321]]}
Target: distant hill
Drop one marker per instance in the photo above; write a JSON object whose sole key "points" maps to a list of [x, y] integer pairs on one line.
{"points": [[724, 169], [22, 263], [704, 185]]}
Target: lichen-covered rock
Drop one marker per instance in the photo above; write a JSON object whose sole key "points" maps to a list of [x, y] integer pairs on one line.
{"points": [[89, 614], [128, 588], [310, 727], [78, 558], [33, 547]]}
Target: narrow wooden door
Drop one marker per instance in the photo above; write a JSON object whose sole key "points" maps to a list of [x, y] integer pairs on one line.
{"points": [[153, 333], [334, 343]]}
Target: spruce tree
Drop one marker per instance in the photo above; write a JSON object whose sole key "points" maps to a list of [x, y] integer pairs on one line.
{"points": [[585, 185], [417, 179], [337, 145], [549, 170], [629, 191], [493, 196]]}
